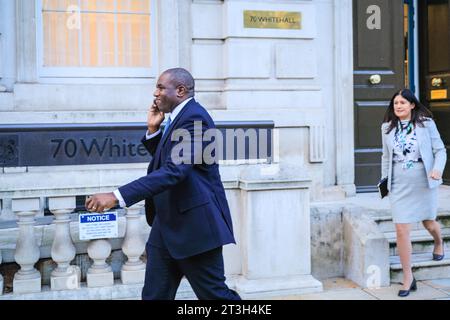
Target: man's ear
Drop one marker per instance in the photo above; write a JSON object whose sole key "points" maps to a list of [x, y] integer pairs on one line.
{"points": [[181, 91]]}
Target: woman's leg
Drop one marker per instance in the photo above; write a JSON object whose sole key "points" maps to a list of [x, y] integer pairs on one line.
{"points": [[435, 230], [405, 249]]}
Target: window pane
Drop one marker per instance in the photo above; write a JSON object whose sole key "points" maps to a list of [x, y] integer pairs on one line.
{"points": [[133, 40], [98, 39], [107, 33], [98, 5], [59, 5], [133, 6], [60, 43]]}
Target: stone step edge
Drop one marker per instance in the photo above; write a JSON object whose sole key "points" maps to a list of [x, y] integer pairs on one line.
{"points": [[422, 264], [445, 232], [382, 218]]}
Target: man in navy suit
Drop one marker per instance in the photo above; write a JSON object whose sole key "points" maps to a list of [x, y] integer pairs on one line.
{"points": [[185, 201]]}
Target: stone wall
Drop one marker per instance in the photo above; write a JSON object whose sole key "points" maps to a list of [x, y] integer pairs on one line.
{"points": [[327, 241], [302, 80]]}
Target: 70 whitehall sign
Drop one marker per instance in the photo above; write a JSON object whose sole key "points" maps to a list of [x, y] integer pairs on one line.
{"points": [[272, 19], [24, 145]]}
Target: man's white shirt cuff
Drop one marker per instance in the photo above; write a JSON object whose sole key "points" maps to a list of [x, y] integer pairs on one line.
{"points": [[119, 197], [151, 136]]}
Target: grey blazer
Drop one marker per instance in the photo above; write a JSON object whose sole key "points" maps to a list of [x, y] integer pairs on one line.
{"points": [[431, 148]]}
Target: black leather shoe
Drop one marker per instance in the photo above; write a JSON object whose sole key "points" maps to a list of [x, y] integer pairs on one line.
{"points": [[439, 257], [405, 293]]}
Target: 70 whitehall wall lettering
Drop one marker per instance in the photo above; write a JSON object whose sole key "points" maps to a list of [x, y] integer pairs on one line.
{"points": [[104, 147], [272, 19]]}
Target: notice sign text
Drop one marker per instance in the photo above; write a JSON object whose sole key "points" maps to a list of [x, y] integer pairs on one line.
{"points": [[98, 225]]}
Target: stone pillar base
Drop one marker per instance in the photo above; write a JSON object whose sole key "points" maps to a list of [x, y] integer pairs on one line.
{"points": [[350, 189], [279, 286], [70, 281], [26, 285], [132, 276], [100, 279]]}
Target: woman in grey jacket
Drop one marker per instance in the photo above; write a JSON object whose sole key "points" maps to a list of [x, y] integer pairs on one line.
{"points": [[413, 160]]}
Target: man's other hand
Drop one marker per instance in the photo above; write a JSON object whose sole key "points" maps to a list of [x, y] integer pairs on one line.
{"points": [[101, 201]]}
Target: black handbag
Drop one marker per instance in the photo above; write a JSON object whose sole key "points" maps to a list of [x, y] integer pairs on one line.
{"points": [[382, 187]]}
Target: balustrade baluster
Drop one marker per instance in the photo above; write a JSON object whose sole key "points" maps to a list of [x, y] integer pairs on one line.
{"points": [[133, 271], [100, 273], [65, 276], [27, 253]]}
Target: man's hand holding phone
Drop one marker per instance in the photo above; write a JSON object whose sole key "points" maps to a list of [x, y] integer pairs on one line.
{"points": [[154, 118]]}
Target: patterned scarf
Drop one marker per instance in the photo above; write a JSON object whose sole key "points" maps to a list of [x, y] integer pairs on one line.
{"points": [[405, 138]]}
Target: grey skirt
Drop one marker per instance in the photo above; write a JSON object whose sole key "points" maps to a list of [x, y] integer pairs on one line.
{"points": [[410, 196]]}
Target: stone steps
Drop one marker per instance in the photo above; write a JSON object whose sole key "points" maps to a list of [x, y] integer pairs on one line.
{"points": [[424, 268], [385, 224], [422, 241]]}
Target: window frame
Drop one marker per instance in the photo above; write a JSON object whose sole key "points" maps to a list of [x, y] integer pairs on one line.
{"points": [[95, 72]]}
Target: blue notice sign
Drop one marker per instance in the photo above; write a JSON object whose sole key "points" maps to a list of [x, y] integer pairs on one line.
{"points": [[98, 225]]}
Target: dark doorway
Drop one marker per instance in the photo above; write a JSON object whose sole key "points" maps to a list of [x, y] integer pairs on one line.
{"points": [[434, 46], [379, 70]]}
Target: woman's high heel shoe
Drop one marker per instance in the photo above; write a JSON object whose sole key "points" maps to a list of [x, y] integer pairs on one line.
{"points": [[405, 293], [439, 257]]}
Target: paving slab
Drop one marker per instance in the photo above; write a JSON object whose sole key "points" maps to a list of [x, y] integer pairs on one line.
{"points": [[443, 284], [424, 292], [338, 294], [338, 283], [372, 200]]}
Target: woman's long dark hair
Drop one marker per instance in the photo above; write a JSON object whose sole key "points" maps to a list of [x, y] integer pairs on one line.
{"points": [[418, 114]]}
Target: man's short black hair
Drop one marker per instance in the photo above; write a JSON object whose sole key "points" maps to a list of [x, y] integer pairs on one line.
{"points": [[182, 77]]}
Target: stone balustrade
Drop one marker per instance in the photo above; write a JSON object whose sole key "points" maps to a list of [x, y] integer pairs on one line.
{"points": [[66, 275], [271, 221]]}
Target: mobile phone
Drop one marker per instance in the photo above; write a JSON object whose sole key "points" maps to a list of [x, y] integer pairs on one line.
{"points": [[156, 106]]}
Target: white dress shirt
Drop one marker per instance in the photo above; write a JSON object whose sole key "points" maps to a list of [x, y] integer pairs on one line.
{"points": [[149, 136]]}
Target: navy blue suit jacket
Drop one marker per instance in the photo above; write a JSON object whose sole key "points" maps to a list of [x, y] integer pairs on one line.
{"points": [[185, 203]]}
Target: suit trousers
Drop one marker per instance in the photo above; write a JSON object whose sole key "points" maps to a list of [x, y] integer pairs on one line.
{"points": [[205, 273]]}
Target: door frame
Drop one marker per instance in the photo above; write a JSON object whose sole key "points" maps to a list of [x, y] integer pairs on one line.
{"points": [[423, 67], [398, 58]]}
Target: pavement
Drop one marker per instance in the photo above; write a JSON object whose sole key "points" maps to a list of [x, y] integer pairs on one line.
{"points": [[344, 289], [372, 201]]}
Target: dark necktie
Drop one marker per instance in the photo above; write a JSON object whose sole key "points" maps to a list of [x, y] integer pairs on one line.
{"points": [[166, 128]]}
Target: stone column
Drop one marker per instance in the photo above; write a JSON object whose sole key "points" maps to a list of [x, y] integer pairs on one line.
{"points": [[27, 279], [7, 45], [169, 34], [1, 277], [26, 41], [343, 95], [133, 271], [275, 234], [65, 276], [100, 273]]}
